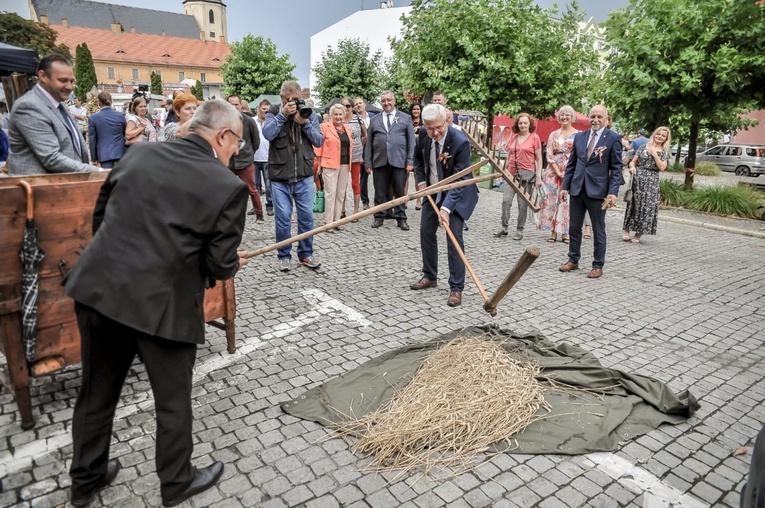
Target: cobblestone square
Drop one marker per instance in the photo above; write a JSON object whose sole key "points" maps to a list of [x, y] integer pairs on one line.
{"points": [[684, 306]]}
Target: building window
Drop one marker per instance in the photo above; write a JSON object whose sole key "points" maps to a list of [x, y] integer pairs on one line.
{"points": [[181, 76], [110, 72], [203, 77], [212, 16], [158, 72], [212, 35], [135, 75]]}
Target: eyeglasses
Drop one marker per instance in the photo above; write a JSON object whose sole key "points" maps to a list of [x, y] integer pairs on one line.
{"points": [[348, 106], [239, 144]]}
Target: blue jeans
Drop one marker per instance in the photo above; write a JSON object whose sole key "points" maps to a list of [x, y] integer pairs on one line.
{"points": [[261, 182], [284, 194]]}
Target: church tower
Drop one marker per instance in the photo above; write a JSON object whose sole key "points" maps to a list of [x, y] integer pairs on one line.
{"points": [[211, 18]]}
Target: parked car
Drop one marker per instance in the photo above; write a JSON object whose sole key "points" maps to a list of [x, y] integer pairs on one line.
{"points": [[743, 160]]}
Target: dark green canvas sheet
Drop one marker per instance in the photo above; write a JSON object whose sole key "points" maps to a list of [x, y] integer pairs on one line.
{"points": [[580, 422]]}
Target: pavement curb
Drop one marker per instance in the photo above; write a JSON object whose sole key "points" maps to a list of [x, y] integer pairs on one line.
{"points": [[716, 227]]}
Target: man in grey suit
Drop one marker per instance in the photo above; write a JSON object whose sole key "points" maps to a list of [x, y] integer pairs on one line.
{"points": [[389, 156], [43, 135]]}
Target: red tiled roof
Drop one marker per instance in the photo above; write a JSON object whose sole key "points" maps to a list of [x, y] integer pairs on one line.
{"points": [[143, 48]]}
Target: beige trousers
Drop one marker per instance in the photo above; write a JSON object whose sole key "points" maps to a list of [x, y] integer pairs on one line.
{"points": [[335, 184]]}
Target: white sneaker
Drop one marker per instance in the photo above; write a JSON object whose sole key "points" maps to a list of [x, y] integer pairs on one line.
{"points": [[283, 264], [310, 262]]}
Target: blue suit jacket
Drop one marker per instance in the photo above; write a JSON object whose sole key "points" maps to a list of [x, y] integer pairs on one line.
{"points": [[106, 130], [463, 199], [395, 148], [600, 175]]}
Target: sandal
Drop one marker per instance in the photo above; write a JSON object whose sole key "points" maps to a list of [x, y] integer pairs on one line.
{"points": [[587, 233], [636, 239], [626, 237], [553, 237], [501, 232], [518, 236], [565, 239]]}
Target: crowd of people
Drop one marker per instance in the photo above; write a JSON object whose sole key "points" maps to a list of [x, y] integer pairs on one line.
{"points": [[210, 157]]}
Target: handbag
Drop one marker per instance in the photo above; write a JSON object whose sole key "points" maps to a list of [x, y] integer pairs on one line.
{"points": [[629, 194], [142, 136], [318, 201]]}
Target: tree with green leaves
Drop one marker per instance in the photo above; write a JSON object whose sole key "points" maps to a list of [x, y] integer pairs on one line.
{"points": [[23, 33], [84, 72], [349, 70], [156, 84], [704, 61], [503, 56], [392, 79], [255, 68], [197, 91]]}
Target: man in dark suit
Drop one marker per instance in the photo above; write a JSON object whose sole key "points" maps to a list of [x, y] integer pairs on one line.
{"points": [[389, 156], [43, 135], [592, 179], [106, 131], [168, 219], [441, 152]]}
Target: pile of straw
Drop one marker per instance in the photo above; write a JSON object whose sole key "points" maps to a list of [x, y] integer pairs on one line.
{"points": [[465, 396]]}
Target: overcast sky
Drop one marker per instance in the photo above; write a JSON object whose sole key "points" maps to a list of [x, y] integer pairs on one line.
{"points": [[291, 24]]}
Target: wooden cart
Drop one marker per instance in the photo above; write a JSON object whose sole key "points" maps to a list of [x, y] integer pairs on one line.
{"points": [[63, 211]]}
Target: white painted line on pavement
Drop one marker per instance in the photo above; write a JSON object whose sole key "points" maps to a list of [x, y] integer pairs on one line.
{"points": [[656, 494], [322, 305]]}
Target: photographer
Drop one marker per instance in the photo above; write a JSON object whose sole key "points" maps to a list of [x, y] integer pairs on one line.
{"points": [[292, 130]]}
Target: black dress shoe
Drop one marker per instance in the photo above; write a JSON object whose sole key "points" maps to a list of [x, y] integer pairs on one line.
{"points": [[377, 223], [80, 499], [203, 479], [403, 225]]}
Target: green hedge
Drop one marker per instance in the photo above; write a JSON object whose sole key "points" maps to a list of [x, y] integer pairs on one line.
{"points": [[671, 193], [740, 200], [707, 169]]}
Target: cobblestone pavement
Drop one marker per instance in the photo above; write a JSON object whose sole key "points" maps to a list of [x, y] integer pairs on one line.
{"points": [[684, 306]]}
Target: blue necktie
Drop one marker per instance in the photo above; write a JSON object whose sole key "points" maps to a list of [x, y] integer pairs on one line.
{"points": [[70, 125]]}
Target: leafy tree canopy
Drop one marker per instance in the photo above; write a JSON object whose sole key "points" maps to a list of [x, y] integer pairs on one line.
{"points": [[701, 62], [84, 72], [17, 31], [503, 56], [254, 68], [348, 70]]}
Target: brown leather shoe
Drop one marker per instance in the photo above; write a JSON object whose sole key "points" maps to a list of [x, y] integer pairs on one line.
{"points": [[403, 225], [455, 298], [595, 273], [377, 223], [568, 266], [424, 284]]}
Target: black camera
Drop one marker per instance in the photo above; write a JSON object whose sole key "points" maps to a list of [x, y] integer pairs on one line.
{"points": [[303, 110]]}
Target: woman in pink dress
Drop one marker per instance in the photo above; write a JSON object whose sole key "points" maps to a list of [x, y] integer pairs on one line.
{"points": [[554, 212]]}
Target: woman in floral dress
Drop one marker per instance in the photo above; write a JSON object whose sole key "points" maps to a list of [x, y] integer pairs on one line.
{"points": [[554, 213], [642, 211]]}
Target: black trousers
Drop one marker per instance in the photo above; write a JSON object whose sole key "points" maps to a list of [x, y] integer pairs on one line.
{"points": [[578, 205], [429, 245], [108, 350], [383, 176]]}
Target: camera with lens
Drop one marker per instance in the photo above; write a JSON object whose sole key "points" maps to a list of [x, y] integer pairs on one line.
{"points": [[140, 92], [303, 110]]}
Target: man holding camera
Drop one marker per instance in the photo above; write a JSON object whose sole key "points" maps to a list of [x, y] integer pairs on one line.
{"points": [[292, 130]]}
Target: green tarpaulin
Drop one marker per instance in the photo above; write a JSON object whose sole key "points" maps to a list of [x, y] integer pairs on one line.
{"points": [[580, 422]]}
